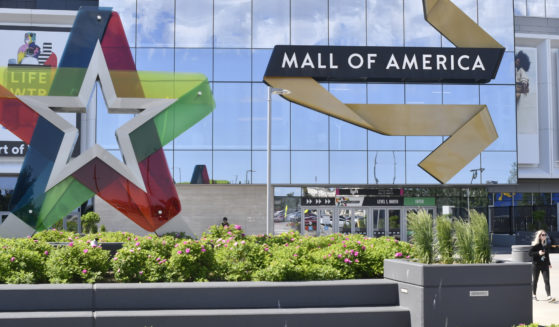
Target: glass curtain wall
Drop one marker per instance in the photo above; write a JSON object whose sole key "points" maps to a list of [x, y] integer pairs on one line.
{"points": [[231, 42]]}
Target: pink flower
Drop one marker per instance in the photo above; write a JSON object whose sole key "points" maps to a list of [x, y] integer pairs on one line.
{"points": [[164, 242], [71, 244], [141, 272], [46, 253], [238, 227], [243, 242], [355, 253], [345, 246], [149, 237], [398, 254], [229, 233], [339, 256], [12, 259], [203, 250], [137, 244], [187, 250], [295, 254], [356, 260], [115, 258], [407, 257], [84, 271], [346, 260], [266, 249], [179, 252], [185, 243]]}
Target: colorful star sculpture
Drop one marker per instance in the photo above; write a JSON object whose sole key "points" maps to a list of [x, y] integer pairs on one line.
{"points": [[51, 183]]}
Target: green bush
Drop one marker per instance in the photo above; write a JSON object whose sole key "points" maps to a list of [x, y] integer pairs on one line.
{"points": [[445, 243], [481, 240], [54, 235], [22, 261], [77, 262], [142, 260], [464, 239], [191, 261], [421, 223], [90, 221]]}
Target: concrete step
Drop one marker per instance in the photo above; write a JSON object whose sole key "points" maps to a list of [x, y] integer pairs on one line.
{"points": [[394, 316], [211, 295]]}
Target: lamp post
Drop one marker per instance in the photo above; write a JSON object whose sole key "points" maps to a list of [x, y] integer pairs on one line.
{"points": [[271, 90], [474, 176], [246, 175]]}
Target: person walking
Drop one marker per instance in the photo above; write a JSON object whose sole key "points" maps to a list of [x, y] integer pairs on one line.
{"points": [[540, 263]]}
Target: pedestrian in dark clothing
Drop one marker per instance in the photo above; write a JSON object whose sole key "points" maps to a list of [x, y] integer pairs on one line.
{"points": [[225, 223], [540, 263]]}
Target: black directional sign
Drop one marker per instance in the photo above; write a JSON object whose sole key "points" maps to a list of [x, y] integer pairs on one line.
{"points": [[318, 201]]}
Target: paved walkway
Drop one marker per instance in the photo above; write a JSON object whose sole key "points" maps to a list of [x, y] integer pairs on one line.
{"points": [[545, 313]]}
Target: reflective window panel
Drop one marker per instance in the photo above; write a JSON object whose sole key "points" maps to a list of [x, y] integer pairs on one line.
{"points": [[348, 167], [280, 119], [309, 129], [414, 173], [232, 21], [387, 167], [520, 7], [280, 167], [231, 166], [156, 23], [309, 22], [232, 116], [347, 22], [127, 12], [309, 167], [417, 31], [384, 23], [194, 23], [500, 26], [186, 161], [535, 8], [194, 61], [232, 65], [500, 100], [270, 23], [500, 167]]}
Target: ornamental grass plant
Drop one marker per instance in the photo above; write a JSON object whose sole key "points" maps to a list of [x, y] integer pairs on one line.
{"points": [[481, 240], [421, 225], [445, 242], [464, 239]]}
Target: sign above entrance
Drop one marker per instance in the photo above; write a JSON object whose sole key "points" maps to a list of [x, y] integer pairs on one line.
{"points": [[370, 191], [385, 64], [368, 201], [317, 201]]}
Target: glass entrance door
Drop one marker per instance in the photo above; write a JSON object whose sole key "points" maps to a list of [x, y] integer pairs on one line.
{"points": [[387, 222]]}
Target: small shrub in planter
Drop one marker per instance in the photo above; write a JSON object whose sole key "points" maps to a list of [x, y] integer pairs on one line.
{"points": [[142, 260], [237, 259], [77, 262], [191, 261], [90, 221], [464, 239], [22, 261]]}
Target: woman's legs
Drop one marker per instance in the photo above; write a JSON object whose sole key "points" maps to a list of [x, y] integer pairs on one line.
{"points": [[535, 277], [545, 274]]}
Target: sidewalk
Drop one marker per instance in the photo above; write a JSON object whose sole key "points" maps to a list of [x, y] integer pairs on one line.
{"points": [[545, 313]]}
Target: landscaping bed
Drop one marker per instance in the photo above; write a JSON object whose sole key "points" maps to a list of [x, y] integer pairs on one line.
{"points": [[221, 254]]}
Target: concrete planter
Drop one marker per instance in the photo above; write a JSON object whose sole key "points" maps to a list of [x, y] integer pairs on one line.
{"points": [[496, 294]]}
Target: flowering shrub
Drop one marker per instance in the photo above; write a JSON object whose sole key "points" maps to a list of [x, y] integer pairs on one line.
{"points": [[223, 253], [142, 260], [77, 262], [22, 261], [191, 261]]}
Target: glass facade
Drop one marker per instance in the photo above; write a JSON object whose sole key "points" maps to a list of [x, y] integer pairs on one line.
{"points": [[231, 42]]}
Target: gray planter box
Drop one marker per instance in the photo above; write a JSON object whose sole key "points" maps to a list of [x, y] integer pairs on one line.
{"points": [[496, 294]]}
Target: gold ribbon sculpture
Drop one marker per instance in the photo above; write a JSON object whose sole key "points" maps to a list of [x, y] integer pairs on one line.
{"points": [[470, 127]]}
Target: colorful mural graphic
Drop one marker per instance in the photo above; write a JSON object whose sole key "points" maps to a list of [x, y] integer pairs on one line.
{"points": [[51, 183]]}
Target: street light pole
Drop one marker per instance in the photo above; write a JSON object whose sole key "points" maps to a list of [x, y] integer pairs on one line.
{"points": [[271, 90]]}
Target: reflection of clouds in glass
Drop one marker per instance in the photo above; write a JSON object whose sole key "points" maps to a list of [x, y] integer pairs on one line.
{"points": [[496, 18], [551, 10], [469, 7], [127, 11], [155, 22], [520, 7], [347, 22], [498, 167], [384, 19], [309, 22], [232, 23], [271, 23], [194, 23], [535, 8], [417, 31]]}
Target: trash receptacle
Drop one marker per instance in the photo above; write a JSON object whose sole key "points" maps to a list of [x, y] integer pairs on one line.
{"points": [[519, 253]]}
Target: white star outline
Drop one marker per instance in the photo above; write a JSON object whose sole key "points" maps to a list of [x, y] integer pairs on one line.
{"points": [[64, 165]]}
